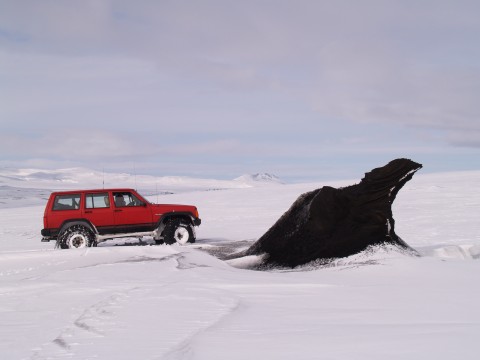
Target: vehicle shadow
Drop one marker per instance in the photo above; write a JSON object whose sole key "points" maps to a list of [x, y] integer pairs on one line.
{"points": [[127, 242]]}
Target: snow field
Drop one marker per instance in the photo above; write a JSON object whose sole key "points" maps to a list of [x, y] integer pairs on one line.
{"points": [[174, 302]]}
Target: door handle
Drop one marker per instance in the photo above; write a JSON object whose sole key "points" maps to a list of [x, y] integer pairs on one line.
{"points": [[118, 210], [88, 211]]}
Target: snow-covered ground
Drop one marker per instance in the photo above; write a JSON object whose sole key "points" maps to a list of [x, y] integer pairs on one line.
{"points": [[171, 302]]}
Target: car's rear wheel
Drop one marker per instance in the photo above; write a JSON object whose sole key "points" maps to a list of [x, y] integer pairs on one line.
{"points": [[76, 237], [178, 231]]}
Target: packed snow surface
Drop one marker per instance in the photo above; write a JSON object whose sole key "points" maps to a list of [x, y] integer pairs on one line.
{"points": [[128, 299]]}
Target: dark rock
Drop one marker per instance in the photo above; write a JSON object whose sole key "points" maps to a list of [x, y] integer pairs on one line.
{"points": [[331, 223]]}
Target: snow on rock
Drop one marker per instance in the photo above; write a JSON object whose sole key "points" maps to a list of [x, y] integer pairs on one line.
{"points": [[246, 262]]}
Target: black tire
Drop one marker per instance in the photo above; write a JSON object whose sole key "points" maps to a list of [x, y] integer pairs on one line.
{"points": [[76, 237], [178, 231]]}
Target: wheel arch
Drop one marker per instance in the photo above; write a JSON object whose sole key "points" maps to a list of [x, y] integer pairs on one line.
{"points": [[69, 223], [176, 216]]}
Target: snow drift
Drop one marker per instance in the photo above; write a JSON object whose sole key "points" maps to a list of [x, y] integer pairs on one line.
{"points": [[177, 302]]}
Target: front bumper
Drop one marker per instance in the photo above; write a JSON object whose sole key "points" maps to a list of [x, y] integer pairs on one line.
{"points": [[197, 222]]}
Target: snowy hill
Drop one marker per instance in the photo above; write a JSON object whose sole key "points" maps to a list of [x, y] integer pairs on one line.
{"points": [[74, 178], [259, 178], [172, 302], [19, 187]]}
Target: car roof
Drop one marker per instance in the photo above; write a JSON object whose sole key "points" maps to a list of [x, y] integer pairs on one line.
{"points": [[91, 191]]}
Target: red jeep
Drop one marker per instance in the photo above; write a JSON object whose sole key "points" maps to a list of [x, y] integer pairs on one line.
{"points": [[84, 218]]}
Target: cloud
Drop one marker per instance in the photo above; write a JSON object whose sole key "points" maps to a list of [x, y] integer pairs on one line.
{"points": [[465, 139], [219, 78], [70, 144]]}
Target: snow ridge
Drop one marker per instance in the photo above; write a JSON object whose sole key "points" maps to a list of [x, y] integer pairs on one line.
{"points": [[259, 177]]}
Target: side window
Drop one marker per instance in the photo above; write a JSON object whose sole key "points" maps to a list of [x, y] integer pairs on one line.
{"points": [[67, 202], [126, 199], [97, 201]]}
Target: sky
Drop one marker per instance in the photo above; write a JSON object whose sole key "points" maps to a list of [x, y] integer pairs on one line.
{"points": [[306, 90]]}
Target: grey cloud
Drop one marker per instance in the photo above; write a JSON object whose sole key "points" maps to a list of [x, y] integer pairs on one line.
{"points": [[217, 68], [71, 144], [466, 138]]}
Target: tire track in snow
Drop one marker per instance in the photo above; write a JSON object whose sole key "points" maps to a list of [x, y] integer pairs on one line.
{"points": [[94, 321], [226, 306], [184, 350], [165, 315]]}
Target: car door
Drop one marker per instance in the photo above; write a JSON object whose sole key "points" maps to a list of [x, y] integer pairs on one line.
{"points": [[99, 212], [131, 214]]}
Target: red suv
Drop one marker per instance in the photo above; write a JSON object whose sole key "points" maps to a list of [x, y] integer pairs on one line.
{"points": [[84, 218]]}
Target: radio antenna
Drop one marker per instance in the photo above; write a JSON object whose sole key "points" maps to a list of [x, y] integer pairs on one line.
{"points": [[135, 175], [103, 180]]}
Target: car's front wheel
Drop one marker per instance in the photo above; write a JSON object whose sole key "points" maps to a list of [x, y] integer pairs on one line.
{"points": [[76, 237], [178, 231]]}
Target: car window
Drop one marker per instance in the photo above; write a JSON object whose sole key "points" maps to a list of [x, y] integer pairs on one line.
{"points": [[67, 202], [126, 199], [97, 201]]}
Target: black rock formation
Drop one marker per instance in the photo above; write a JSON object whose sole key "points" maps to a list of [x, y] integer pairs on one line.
{"points": [[331, 223]]}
